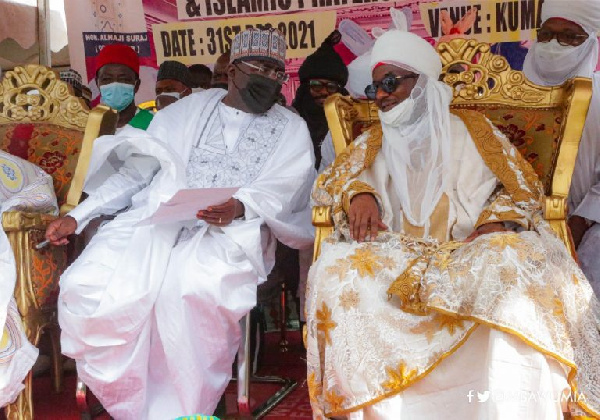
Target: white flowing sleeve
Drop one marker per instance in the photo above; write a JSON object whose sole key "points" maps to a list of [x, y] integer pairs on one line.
{"points": [[280, 194], [137, 170], [116, 192]]}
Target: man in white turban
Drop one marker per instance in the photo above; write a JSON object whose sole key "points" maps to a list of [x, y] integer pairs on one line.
{"points": [[566, 47], [442, 293]]}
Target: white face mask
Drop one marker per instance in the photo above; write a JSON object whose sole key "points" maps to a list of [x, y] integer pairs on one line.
{"points": [[552, 51], [167, 98], [549, 63], [176, 95], [398, 115]]}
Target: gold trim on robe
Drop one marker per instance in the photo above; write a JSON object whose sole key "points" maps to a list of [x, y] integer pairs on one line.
{"points": [[432, 278]]}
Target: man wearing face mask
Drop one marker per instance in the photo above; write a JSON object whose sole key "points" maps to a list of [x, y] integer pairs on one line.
{"points": [[117, 77], [322, 74], [441, 283], [151, 313], [566, 47], [173, 82]]}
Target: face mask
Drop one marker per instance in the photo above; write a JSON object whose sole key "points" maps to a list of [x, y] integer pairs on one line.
{"points": [[551, 51], [398, 115], [260, 93], [117, 95], [552, 63], [176, 95], [167, 98]]}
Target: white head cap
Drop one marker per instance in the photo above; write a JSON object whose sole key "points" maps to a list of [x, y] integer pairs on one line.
{"points": [[585, 13], [406, 49]]}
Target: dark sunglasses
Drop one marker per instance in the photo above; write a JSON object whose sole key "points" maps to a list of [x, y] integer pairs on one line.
{"points": [[564, 38], [389, 84], [317, 86]]}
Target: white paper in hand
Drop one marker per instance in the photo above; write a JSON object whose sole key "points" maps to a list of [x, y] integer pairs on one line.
{"points": [[185, 204]]}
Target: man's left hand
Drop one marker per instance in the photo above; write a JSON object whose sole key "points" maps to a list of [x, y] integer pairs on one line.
{"points": [[487, 228], [223, 214]]}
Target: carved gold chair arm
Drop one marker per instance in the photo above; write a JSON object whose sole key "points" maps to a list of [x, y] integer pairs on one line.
{"points": [[555, 212], [323, 221], [20, 221], [35, 277], [102, 120]]}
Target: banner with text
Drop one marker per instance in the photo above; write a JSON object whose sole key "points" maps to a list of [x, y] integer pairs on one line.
{"points": [[198, 9], [203, 41], [485, 20]]}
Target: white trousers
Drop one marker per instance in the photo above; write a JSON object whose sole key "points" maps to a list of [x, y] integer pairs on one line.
{"points": [[177, 361]]}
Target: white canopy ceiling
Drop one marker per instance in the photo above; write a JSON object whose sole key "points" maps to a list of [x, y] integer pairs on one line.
{"points": [[18, 21]]}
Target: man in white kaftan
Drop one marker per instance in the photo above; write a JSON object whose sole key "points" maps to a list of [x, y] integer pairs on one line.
{"points": [[23, 187], [151, 313], [442, 293], [567, 46]]}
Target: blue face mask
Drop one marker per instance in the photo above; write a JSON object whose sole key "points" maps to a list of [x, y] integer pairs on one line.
{"points": [[117, 95]]}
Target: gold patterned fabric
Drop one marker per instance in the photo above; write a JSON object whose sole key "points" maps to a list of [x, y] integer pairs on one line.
{"points": [[382, 315], [53, 148], [534, 132]]}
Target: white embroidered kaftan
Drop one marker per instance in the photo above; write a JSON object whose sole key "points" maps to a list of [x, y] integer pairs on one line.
{"points": [[410, 326], [151, 314], [23, 187]]}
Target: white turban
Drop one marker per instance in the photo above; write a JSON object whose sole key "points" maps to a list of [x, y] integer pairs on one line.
{"points": [[417, 139], [359, 75], [549, 63], [585, 13], [407, 50]]}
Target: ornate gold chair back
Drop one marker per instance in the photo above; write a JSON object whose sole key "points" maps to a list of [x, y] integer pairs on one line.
{"points": [[544, 123], [42, 122]]}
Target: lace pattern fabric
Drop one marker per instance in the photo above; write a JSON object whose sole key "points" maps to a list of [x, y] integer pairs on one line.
{"points": [[24, 186], [381, 315], [212, 165]]}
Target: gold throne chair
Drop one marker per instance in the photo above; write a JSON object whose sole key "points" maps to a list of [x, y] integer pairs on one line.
{"points": [[43, 122], [544, 123]]}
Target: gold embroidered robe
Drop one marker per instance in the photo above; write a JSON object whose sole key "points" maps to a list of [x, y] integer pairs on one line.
{"points": [[383, 315]]}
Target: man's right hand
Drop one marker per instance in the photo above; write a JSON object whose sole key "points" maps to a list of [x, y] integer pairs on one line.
{"points": [[58, 230], [364, 217]]}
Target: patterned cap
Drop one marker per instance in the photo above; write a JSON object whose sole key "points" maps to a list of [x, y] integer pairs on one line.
{"points": [[258, 44], [174, 70]]}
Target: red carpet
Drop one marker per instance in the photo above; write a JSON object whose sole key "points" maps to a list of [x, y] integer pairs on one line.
{"points": [[51, 406]]}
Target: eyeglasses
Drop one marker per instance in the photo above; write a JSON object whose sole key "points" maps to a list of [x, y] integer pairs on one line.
{"points": [[389, 84], [271, 73], [564, 38], [318, 86]]}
